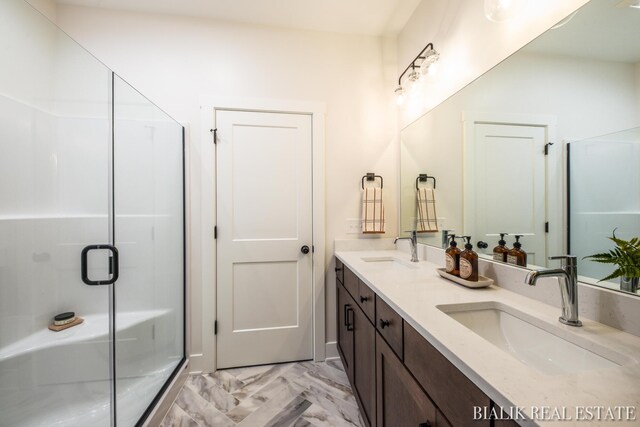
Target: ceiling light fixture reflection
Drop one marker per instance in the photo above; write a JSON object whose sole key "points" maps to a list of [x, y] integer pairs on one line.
{"points": [[422, 65], [501, 10]]}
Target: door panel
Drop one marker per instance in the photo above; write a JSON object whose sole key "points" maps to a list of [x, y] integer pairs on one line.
{"points": [[509, 186], [264, 219], [148, 231], [400, 400], [365, 364], [345, 329]]}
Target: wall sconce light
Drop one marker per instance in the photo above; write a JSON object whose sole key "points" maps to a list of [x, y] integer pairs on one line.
{"points": [[424, 64]]}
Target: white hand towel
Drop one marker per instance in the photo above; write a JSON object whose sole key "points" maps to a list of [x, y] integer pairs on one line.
{"points": [[426, 206], [372, 211]]}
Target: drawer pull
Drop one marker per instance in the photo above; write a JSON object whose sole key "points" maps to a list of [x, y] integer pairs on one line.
{"points": [[349, 322], [384, 323], [363, 299], [427, 424]]}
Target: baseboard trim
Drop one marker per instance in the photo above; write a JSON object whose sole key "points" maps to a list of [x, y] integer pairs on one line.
{"points": [[331, 350]]}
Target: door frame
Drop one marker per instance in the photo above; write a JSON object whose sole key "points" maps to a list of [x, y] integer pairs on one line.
{"points": [[555, 241], [206, 360]]}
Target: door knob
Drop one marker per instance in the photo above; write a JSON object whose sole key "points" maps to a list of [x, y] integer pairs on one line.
{"points": [[304, 249]]}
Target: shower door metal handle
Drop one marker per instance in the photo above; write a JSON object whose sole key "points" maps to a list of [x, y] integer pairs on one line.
{"points": [[114, 267]]}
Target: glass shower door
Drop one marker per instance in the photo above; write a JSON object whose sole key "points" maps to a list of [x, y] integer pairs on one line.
{"points": [[149, 233], [55, 179]]}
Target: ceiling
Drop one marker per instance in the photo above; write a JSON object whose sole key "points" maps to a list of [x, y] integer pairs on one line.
{"points": [[602, 29], [368, 17]]}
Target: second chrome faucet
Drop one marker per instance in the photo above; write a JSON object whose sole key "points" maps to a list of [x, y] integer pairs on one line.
{"points": [[568, 286], [413, 239]]}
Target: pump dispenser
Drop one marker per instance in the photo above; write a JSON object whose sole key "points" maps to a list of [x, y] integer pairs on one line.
{"points": [[468, 262], [500, 252], [516, 255], [452, 257]]}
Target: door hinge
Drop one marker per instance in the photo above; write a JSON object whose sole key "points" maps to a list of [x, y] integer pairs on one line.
{"points": [[546, 148], [215, 135], [546, 227], [215, 327], [215, 232]]}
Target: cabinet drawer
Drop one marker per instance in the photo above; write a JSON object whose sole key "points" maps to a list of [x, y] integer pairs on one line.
{"points": [[389, 324], [350, 281], [339, 271], [366, 299], [454, 394]]}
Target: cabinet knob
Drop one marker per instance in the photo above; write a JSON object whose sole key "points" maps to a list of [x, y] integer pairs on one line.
{"points": [[427, 424], [363, 299], [338, 269], [384, 323]]}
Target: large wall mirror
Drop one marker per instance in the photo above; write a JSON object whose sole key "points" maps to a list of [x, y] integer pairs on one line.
{"points": [[545, 145]]}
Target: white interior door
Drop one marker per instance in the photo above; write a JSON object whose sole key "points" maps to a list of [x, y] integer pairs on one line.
{"points": [[508, 186], [264, 280]]}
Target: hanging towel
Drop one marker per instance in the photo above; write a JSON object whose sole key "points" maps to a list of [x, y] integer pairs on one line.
{"points": [[426, 205], [372, 211]]}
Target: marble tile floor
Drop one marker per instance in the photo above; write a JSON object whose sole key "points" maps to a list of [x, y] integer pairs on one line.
{"points": [[303, 394]]}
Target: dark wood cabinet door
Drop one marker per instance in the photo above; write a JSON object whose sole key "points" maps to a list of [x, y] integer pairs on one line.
{"points": [[365, 366], [455, 395], [345, 307], [400, 400]]}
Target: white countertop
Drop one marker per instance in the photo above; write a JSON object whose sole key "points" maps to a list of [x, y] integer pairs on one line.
{"points": [[415, 294]]}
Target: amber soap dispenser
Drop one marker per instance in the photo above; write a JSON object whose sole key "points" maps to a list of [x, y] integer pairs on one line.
{"points": [[452, 257], [516, 255], [468, 262], [500, 252]]}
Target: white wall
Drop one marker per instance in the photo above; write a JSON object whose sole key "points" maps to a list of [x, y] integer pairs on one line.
{"points": [[176, 60], [469, 43]]}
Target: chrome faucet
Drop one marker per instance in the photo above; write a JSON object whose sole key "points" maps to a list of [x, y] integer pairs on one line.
{"points": [[568, 287], [445, 238], [414, 244]]}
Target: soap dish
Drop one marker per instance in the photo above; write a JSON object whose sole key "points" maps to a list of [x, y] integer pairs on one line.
{"points": [[58, 328], [482, 282]]}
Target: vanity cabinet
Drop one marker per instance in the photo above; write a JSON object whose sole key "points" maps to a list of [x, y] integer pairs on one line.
{"points": [[397, 376]]}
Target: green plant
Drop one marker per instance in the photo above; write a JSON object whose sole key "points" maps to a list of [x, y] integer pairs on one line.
{"points": [[626, 255]]}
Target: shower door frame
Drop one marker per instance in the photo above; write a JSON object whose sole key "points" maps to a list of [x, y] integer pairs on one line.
{"points": [[146, 415]]}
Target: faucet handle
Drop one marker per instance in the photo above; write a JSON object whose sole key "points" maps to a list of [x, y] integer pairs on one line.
{"points": [[566, 260]]}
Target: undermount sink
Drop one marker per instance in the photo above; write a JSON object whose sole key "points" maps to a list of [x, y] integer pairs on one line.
{"points": [[536, 343], [390, 262]]}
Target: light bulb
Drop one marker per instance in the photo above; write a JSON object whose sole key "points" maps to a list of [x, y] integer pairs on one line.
{"points": [[399, 96], [429, 64]]}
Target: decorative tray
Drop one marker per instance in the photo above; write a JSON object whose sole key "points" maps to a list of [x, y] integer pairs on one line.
{"points": [[482, 282]]}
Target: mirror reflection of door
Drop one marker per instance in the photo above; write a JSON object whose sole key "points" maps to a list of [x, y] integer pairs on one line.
{"points": [[507, 186]]}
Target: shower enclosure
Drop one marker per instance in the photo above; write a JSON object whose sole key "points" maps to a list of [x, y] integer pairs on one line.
{"points": [[604, 189], [91, 181]]}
